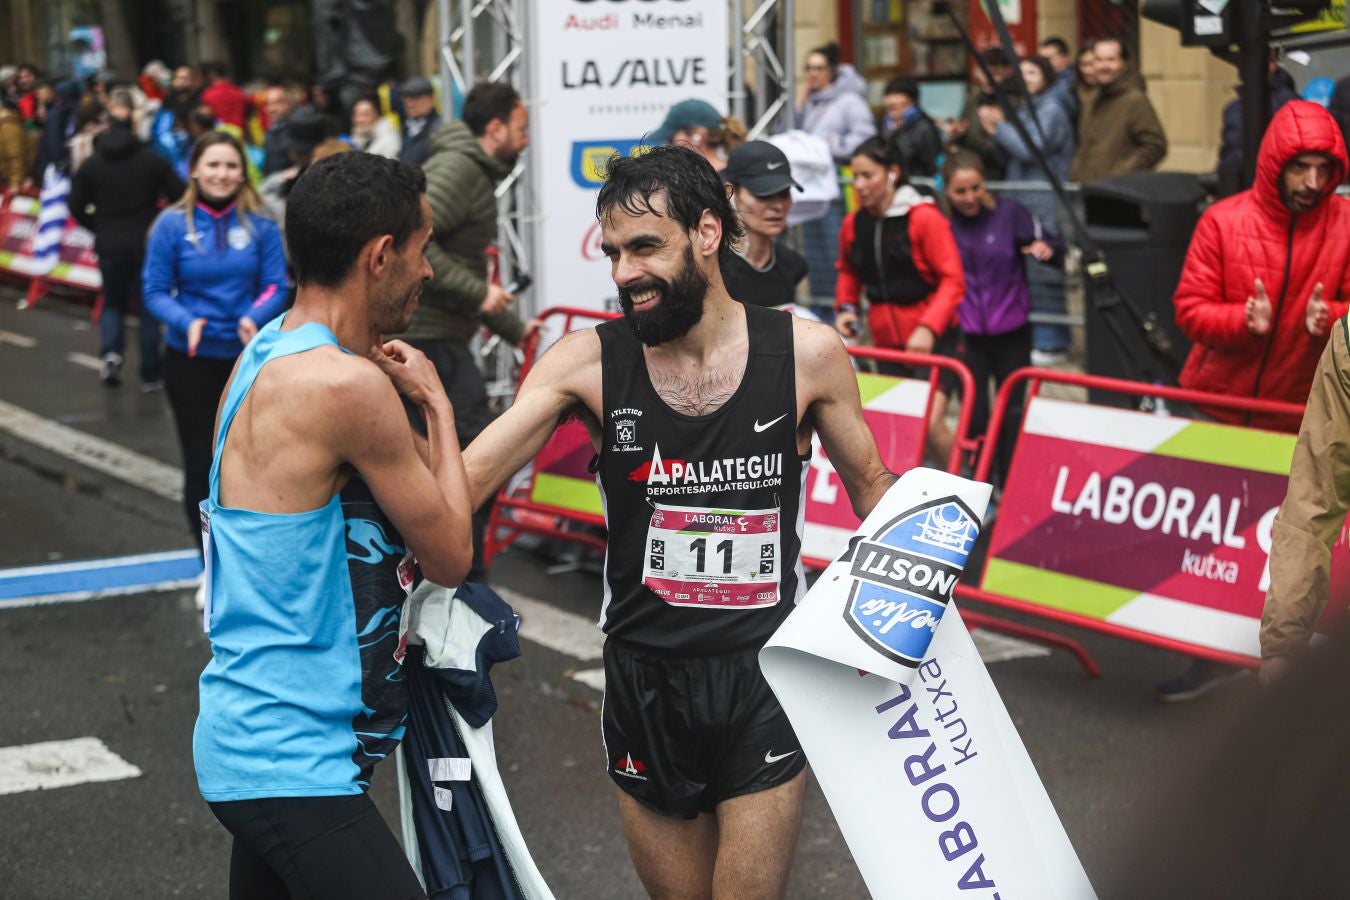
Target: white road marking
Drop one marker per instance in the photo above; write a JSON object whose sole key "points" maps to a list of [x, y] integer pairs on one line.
{"points": [[84, 359], [996, 648], [18, 340], [594, 678], [556, 629], [54, 764], [102, 456]]}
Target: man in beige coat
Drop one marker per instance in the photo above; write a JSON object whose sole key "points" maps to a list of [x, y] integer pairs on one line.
{"points": [[1312, 513], [1118, 129]]}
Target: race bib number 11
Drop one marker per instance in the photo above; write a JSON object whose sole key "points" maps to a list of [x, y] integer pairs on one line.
{"points": [[713, 559]]}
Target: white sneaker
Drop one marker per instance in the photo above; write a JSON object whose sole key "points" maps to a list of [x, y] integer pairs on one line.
{"points": [[111, 371], [1043, 359], [200, 597]]}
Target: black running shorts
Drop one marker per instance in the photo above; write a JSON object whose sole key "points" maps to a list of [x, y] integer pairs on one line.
{"points": [[684, 733]]}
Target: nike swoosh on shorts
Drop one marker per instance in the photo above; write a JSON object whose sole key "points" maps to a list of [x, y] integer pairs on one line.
{"points": [[770, 759]]}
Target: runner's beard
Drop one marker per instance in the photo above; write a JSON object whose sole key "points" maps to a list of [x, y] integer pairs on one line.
{"points": [[679, 308]]}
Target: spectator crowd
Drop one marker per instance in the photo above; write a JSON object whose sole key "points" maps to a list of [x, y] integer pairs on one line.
{"points": [[183, 176]]}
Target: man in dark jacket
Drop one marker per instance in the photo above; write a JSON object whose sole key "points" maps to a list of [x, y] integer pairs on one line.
{"points": [[419, 120], [279, 103], [466, 160], [910, 129], [116, 194], [1231, 157]]}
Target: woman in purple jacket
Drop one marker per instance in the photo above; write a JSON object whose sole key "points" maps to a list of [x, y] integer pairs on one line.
{"points": [[994, 236]]}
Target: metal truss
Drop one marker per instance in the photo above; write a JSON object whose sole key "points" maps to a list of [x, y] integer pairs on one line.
{"points": [[764, 36], [485, 40]]}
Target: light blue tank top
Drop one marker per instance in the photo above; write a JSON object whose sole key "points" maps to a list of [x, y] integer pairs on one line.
{"points": [[284, 683]]}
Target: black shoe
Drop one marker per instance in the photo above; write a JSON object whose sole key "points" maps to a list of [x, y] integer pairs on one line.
{"points": [[111, 372], [1200, 677]]}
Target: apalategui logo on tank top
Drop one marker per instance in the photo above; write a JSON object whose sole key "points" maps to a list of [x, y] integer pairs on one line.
{"points": [[665, 477]]}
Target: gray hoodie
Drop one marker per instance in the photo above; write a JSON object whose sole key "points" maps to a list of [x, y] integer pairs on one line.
{"points": [[839, 113]]}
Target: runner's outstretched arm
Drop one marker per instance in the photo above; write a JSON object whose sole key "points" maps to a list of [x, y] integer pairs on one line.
{"points": [[834, 409], [567, 374]]}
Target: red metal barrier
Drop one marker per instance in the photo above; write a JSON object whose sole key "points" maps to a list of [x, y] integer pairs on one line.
{"points": [[1107, 560], [19, 247]]}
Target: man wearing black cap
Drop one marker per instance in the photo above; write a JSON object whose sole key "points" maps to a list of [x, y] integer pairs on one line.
{"points": [[419, 120], [759, 183]]}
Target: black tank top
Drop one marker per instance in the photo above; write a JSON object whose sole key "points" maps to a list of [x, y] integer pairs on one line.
{"points": [[704, 512]]}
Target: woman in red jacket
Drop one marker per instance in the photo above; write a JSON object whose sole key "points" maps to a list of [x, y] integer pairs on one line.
{"points": [[898, 249]]}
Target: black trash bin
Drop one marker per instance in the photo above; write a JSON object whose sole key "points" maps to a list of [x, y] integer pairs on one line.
{"points": [[1143, 224]]}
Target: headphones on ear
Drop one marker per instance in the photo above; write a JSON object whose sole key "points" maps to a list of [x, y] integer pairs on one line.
{"points": [[890, 178]]}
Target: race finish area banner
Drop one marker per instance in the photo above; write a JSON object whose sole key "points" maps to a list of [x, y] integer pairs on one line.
{"points": [[1156, 524], [603, 76], [921, 764]]}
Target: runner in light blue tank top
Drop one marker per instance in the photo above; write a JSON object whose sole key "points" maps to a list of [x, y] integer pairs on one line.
{"points": [[284, 682]]}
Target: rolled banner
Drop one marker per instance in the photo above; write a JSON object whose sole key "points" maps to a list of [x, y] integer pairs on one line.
{"points": [[930, 783]]}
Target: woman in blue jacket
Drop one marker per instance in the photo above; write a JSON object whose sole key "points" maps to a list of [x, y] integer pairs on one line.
{"points": [[214, 273], [995, 238]]}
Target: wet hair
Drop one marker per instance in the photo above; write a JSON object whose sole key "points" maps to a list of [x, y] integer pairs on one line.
{"points": [[340, 204], [831, 53], [687, 181], [1047, 71], [1058, 43], [487, 101]]}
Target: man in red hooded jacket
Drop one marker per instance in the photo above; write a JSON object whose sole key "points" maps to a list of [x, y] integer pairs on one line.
{"points": [[1268, 269], [1266, 273]]}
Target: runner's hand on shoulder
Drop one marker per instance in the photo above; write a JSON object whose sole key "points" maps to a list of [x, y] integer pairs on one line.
{"points": [[411, 372]]}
